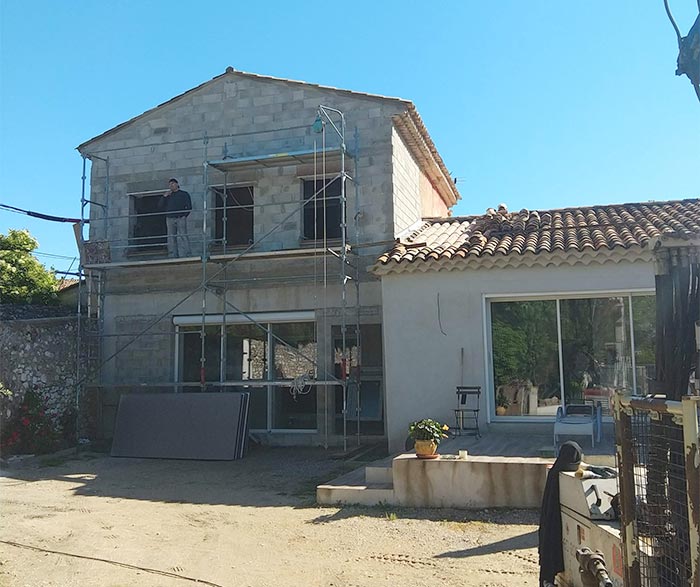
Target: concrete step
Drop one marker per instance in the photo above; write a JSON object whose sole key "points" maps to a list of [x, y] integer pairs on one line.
{"points": [[370, 494], [372, 485], [375, 474]]}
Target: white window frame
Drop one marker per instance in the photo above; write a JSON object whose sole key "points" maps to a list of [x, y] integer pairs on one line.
{"points": [[263, 318]]}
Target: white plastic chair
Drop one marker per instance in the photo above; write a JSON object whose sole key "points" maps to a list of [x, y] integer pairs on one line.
{"points": [[578, 420]]}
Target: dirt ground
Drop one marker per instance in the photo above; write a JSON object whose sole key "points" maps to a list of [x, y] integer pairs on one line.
{"points": [[91, 520]]}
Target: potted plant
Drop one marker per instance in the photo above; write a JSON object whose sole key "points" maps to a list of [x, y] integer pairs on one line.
{"points": [[427, 434], [502, 403]]}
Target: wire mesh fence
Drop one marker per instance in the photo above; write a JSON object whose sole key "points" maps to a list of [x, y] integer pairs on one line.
{"points": [[659, 490]]}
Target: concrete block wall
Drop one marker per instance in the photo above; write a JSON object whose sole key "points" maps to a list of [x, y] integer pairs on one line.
{"points": [[147, 358], [406, 181], [432, 205], [241, 117], [131, 308], [414, 195]]}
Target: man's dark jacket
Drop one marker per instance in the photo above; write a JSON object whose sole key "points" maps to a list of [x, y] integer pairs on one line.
{"points": [[176, 204]]}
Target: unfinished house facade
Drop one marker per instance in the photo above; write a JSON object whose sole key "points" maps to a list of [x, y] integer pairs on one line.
{"points": [[296, 189]]}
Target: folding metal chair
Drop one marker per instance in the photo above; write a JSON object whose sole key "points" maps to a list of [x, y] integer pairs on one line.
{"points": [[467, 411]]}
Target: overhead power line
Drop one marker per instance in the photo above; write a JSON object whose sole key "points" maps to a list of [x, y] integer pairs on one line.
{"points": [[68, 257]]}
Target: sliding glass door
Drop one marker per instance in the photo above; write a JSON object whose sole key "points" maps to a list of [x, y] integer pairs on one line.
{"points": [[546, 353], [596, 352], [246, 360], [274, 361], [525, 358], [294, 356]]}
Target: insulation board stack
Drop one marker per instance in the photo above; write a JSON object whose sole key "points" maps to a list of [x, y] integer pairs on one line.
{"points": [[200, 426]]}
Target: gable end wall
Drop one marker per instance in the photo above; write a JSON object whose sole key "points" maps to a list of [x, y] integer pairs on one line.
{"points": [[245, 117]]}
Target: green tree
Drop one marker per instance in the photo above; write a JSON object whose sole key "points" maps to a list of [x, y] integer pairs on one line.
{"points": [[23, 279]]}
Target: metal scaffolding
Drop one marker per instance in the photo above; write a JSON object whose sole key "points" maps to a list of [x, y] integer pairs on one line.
{"points": [[100, 256]]}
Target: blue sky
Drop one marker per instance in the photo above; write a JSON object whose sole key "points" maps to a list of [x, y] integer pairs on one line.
{"points": [[536, 104]]}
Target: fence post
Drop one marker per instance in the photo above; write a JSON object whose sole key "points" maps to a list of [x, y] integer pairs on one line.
{"points": [[691, 440], [625, 462]]}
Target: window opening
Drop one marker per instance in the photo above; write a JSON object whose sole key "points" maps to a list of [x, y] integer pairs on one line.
{"points": [[525, 358], [596, 350], [324, 211], [290, 403], [234, 216], [644, 328], [148, 230]]}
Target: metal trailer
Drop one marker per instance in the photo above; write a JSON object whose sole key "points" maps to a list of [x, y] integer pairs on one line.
{"points": [[589, 521]]}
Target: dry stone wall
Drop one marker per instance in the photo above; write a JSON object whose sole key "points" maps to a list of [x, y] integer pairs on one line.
{"points": [[39, 354]]}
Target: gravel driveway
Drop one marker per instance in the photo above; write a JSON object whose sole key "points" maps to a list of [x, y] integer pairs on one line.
{"points": [[91, 520]]}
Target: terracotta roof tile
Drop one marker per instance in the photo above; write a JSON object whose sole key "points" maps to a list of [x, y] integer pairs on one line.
{"points": [[66, 283], [500, 233]]}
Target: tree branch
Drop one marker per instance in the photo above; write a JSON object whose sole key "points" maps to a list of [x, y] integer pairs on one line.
{"points": [[673, 21]]}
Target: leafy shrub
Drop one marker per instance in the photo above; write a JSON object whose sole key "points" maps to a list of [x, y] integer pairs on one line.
{"points": [[29, 429], [68, 426]]}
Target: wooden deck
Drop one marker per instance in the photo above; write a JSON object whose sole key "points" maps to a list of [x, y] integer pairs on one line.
{"points": [[522, 440]]}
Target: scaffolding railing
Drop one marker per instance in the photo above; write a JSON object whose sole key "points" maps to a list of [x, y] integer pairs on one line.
{"points": [[214, 247], [659, 466]]}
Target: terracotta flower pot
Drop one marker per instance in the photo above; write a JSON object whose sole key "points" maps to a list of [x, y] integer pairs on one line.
{"points": [[426, 449], [501, 411]]}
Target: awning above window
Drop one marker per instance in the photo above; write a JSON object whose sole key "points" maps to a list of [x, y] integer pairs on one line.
{"points": [[276, 159], [252, 318]]}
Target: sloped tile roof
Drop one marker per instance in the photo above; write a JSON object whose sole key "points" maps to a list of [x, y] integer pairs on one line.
{"points": [[567, 231], [66, 283]]}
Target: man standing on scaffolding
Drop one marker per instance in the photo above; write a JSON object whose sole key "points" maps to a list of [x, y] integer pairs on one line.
{"points": [[177, 205]]}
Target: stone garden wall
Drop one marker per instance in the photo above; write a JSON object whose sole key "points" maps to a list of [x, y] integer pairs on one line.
{"points": [[39, 354]]}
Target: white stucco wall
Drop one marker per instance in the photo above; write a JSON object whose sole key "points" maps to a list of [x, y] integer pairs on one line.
{"points": [[423, 353]]}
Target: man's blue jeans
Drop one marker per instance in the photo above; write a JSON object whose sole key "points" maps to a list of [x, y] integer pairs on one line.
{"points": [[178, 239]]}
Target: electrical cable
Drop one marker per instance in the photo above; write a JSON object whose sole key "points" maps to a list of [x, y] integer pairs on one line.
{"points": [[53, 256], [111, 562], [301, 385], [439, 315], [40, 215]]}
